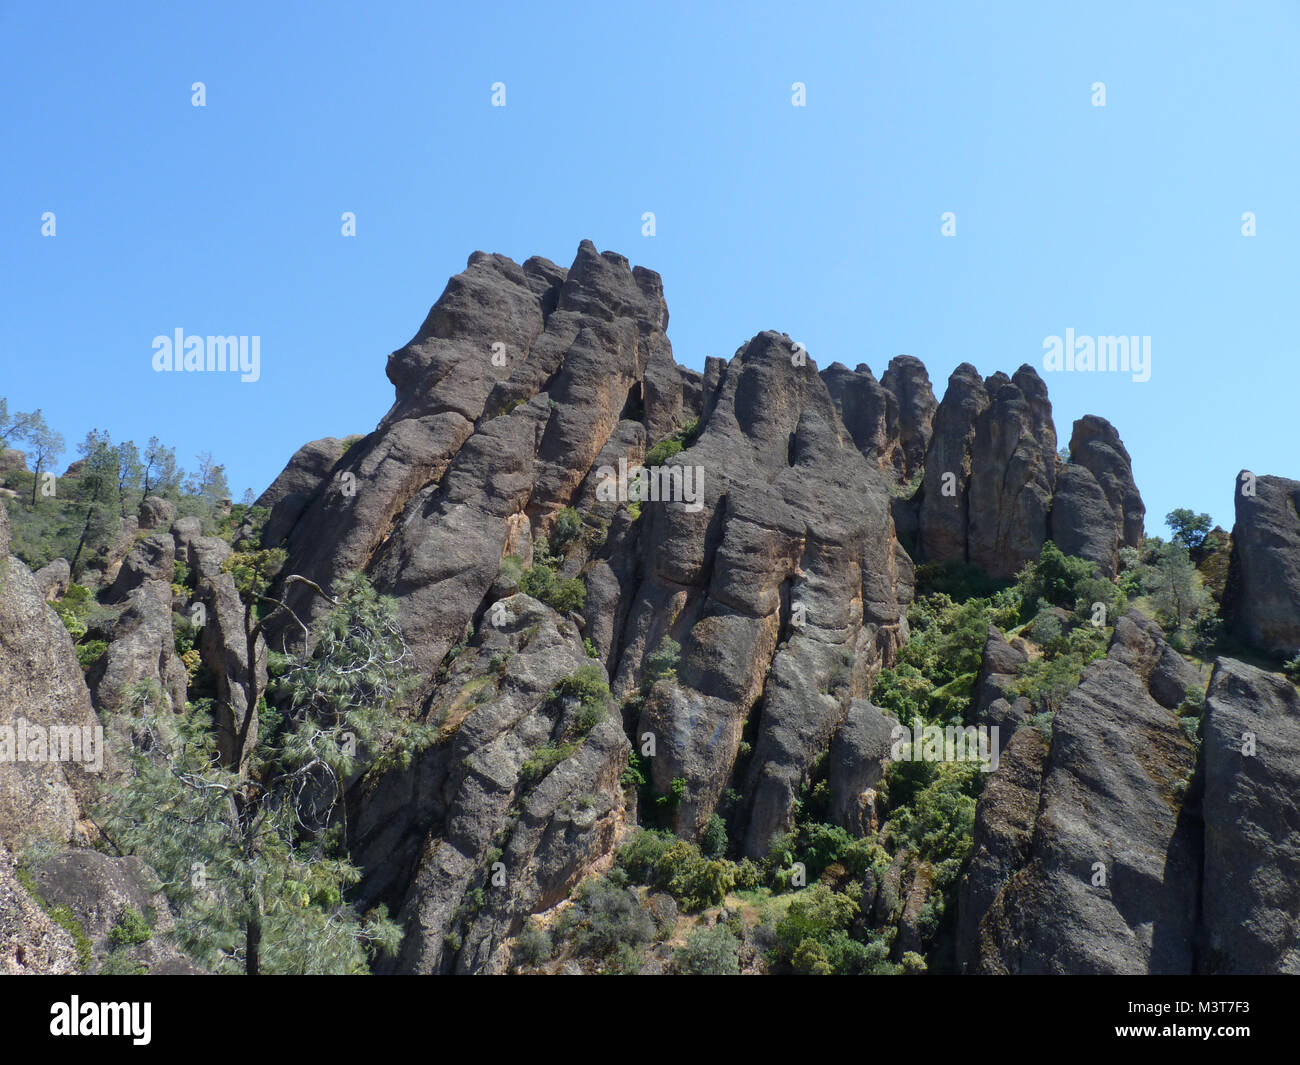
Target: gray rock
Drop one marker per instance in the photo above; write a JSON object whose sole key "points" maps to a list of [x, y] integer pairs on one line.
{"points": [[1263, 601], [1140, 644], [441, 818], [1250, 899], [98, 889], [999, 668], [859, 755], [1096, 446], [1012, 476], [30, 943], [1004, 824], [141, 656], [1082, 521], [41, 684], [53, 579], [906, 378], [156, 513], [1112, 803], [151, 559], [943, 500], [297, 484]]}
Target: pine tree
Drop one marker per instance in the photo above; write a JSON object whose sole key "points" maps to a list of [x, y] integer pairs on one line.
{"points": [[253, 857]]}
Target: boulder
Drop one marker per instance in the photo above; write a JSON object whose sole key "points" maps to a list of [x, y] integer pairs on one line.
{"points": [[156, 513], [151, 559], [908, 381], [287, 496], [859, 755], [1109, 880], [943, 499], [141, 669], [1082, 520], [98, 889], [54, 579]]}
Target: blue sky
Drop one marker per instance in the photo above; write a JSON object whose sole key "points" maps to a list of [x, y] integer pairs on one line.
{"points": [[822, 221]]}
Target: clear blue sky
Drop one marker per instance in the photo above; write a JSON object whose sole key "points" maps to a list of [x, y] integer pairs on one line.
{"points": [[823, 221]]}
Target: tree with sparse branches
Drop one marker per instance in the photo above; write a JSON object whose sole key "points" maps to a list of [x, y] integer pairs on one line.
{"points": [[97, 491], [46, 446], [253, 855], [11, 427], [160, 474]]}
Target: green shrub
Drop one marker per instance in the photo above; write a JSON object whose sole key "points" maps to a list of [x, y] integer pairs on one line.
{"points": [[714, 842], [661, 861], [542, 583], [533, 947], [1055, 577], [1047, 681], [129, 929], [709, 952], [662, 662], [641, 857], [605, 916], [1193, 703], [568, 527], [542, 761], [587, 685], [1292, 670], [670, 446], [74, 608], [90, 652], [67, 920], [1045, 629], [632, 777]]}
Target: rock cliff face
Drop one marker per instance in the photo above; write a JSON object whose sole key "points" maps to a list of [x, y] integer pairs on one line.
{"points": [[40, 685], [1106, 845], [995, 489], [734, 608], [783, 586], [1263, 602], [890, 420], [1104, 877]]}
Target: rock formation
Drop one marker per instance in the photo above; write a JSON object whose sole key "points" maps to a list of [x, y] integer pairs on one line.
{"points": [[727, 624], [1263, 598]]}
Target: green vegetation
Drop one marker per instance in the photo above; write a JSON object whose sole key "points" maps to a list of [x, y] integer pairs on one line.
{"points": [[1292, 670], [129, 929], [671, 445], [80, 515], [271, 893], [661, 861], [608, 924], [543, 582], [709, 952], [61, 916]]}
